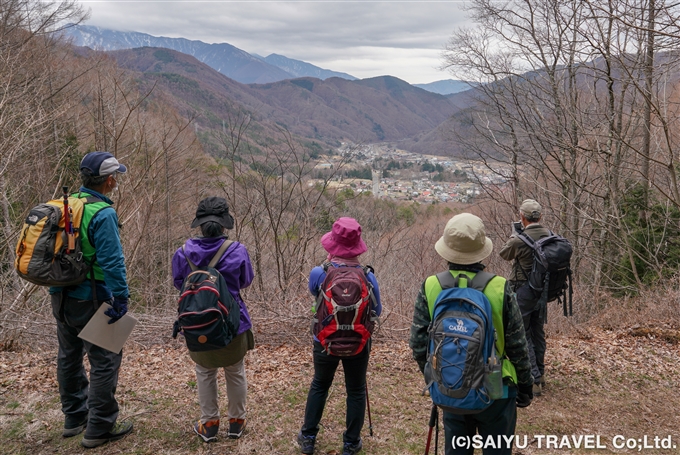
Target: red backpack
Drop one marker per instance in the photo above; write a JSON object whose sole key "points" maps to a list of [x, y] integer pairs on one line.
{"points": [[344, 311]]}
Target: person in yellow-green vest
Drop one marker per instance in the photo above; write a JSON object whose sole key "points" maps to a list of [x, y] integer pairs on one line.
{"points": [[464, 246], [90, 405]]}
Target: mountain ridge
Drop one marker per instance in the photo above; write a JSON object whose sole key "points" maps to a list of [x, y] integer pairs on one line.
{"points": [[235, 63], [371, 110]]}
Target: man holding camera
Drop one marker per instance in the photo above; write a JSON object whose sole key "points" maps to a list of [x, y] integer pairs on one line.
{"points": [[534, 316]]}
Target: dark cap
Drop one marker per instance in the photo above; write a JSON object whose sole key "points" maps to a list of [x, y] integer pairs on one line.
{"points": [[101, 164], [213, 209]]}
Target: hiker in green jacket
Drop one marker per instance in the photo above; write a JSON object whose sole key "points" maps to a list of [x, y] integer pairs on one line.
{"points": [[464, 246], [91, 406]]}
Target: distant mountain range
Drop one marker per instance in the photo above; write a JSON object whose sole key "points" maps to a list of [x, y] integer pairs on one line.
{"points": [[225, 58], [231, 61], [445, 87], [368, 110], [298, 68]]}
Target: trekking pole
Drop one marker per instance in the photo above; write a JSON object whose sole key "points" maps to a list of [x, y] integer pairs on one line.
{"points": [[67, 222], [368, 406], [433, 422], [436, 434]]}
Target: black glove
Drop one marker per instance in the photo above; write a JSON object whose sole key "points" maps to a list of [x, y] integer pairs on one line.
{"points": [[525, 394], [117, 310]]}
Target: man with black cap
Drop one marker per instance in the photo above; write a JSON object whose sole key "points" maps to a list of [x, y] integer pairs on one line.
{"points": [[534, 317], [464, 245], [213, 218], [91, 405]]}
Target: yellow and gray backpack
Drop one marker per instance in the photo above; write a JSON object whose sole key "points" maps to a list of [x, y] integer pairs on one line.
{"points": [[49, 250]]}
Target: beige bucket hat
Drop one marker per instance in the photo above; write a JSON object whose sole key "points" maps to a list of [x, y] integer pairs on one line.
{"points": [[464, 240]]}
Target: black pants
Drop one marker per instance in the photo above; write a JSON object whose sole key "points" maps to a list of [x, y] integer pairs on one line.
{"points": [[355, 385], [81, 398], [534, 321], [499, 419]]}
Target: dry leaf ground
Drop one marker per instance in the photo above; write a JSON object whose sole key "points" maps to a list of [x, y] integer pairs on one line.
{"points": [[605, 383]]}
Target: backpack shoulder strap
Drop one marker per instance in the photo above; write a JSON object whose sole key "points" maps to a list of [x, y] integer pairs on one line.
{"points": [[446, 280], [192, 266], [526, 239], [480, 280], [215, 259]]}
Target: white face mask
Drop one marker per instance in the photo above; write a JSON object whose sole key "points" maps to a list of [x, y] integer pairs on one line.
{"points": [[115, 186]]}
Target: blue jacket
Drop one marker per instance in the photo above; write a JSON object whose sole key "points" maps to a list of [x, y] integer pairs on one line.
{"points": [[105, 238]]}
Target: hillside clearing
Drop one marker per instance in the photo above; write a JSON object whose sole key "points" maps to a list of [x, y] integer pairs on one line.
{"points": [[607, 383]]}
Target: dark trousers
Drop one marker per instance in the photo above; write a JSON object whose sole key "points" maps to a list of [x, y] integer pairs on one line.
{"points": [[355, 385], [498, 419], [534, 321], [81, 398]]}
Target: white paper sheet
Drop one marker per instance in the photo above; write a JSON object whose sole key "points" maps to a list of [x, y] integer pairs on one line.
{"points": [[112, 337]]}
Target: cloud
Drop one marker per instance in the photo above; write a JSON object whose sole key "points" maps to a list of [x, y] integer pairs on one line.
{"points": [[367, 38]]}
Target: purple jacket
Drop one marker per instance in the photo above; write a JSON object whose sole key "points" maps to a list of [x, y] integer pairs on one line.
{"points": [[234, 266]]}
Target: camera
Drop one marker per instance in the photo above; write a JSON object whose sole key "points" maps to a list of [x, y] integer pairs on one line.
{"points": [[517, 227]]}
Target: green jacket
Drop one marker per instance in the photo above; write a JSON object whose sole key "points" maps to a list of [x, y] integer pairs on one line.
{"points": [[506, 317], [100, 239]]}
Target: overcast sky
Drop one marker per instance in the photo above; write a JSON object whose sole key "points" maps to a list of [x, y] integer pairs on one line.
{"points": [[363, 38]]}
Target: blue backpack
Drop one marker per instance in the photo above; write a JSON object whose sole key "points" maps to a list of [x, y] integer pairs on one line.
{"points": [[463, 372]]}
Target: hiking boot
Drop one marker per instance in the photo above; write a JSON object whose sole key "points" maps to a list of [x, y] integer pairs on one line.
{"points": [[119, 431], [352, 449], [74, 430], [207, 431], [236, 427], [306, 443], [538, 389]]}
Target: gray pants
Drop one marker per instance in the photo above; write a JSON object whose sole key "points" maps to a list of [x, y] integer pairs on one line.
{"points": [[80, 398], [237, 386]]}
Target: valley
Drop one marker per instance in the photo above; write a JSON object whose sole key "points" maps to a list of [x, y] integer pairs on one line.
{"points": [[401, 175]]}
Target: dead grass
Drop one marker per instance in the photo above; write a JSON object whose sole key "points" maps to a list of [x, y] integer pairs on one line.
{"points": [[606, 383]]}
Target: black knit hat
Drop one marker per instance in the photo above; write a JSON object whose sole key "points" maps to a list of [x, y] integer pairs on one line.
{"points": [[213, 209]]}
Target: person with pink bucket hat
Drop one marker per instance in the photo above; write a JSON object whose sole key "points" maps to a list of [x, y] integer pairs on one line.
{"points": [[344, 246]]}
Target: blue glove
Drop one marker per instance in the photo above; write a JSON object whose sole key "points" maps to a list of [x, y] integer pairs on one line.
{"points": [[117, 310]]}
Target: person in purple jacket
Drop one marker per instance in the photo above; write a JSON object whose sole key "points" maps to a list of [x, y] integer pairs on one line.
{"points": [[213, 217], [344, 246]]}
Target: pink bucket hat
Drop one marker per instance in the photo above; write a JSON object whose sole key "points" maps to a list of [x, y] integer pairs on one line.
{"points": [[344, 240]]}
